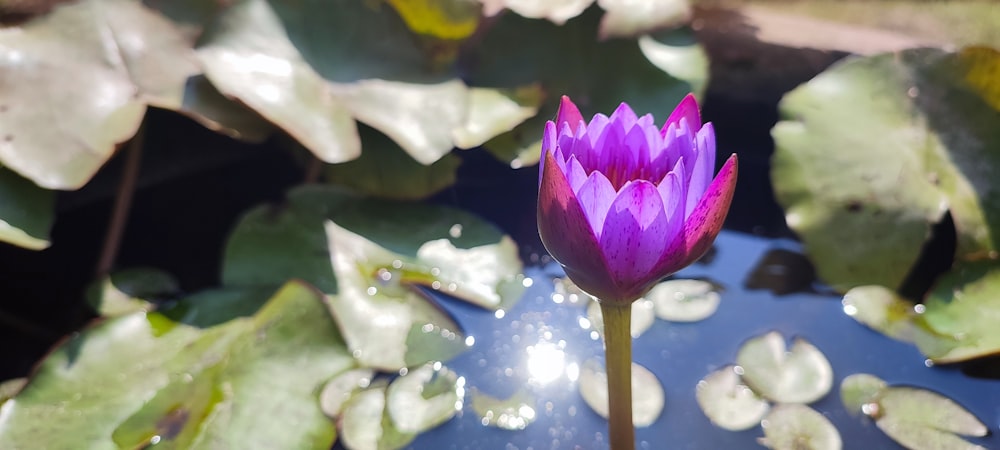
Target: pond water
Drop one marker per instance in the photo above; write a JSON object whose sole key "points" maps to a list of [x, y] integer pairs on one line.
{"points": [[679, 354]]}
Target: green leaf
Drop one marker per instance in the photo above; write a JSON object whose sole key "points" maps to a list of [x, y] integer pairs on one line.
{"points": [[424, 398], [130, 290], [800, 374], [875, 150], [684, 300], [557, 11], [366, 425], [860, 391], [643, 317], [206, 105], [799, 427], [513, 413], [961, 313], [385, 170], [569, 60], [624, 18], [647, 392], [26, 214], [444, 19], [340, 388], [923, 420], [77, 82], [729, 403], [881, 309]]}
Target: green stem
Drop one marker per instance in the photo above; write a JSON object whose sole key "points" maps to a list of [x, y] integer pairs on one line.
{"points": [[618, 358]]}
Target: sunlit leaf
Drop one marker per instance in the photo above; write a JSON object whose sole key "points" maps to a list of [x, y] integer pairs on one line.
{"points": [[10, 388], [77, 82], [647, 392], [882, 310], [130, 290], [860, 391], [961, 313], [495, 111], [923, 420], [684, 300], [729, 403], [340, 388], [424, 398], [875, 150], [26, 213], [365, 424], [445, 19], [206, 105], [800, 374], [557, 11], [679, 54], [513, 413], [799, 427], [643, 317], [624, 18]]}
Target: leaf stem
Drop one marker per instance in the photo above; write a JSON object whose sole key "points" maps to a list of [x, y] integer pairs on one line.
{"points": [[123, 202], [618, 358]]}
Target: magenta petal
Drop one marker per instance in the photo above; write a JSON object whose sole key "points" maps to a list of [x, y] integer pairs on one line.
{"points": [[566, 234], [575, 173], [568, 114], [688, 109], [596, 195], [548, 145], [635, 233], [704, 223], [624, 115]]}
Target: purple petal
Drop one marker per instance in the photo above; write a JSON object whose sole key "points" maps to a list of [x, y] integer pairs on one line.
{"points": [[674, 194], [568, 114], [575, 173], [548, 145], [567, 236], [701, 173], [596, 195], [687, 109], [634, 233], [624, 115]]}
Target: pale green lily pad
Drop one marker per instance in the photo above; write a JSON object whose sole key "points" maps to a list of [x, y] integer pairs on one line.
{"points": [[340, 388], [729, 403], [881, 309], [27, 212], [513, 413], [643, 317], [424, 398], [127, 291], [366, 425], [141, 378], [684, 300], [678, 53], [876, 150], [647, 392], [444, 19], [564, 60], [385, 170], [10, 388], [496, 111], [860, 392], [90, 60], [800, 374], [625, 18], [557, 11], [961, 314], [206, 105], [799, 427]]}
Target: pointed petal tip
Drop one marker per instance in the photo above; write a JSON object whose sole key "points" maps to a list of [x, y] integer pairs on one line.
{"points": [[688, 109], [568, 114]]}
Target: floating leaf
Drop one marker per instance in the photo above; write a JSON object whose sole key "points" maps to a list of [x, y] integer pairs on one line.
{"points": [[647, 393], [10, 388], [729, 403], [875, 151], [557, 11], [684, 300], [447, 19], [961, 313], [495, 111], [860, 391], [881, 309], [130, 290], [339, 390], [799, 427], [643, 316], [624, 18], [513, 413], [90, 61], [27, 212], [800, 374], [365, 424], [424, 398]]}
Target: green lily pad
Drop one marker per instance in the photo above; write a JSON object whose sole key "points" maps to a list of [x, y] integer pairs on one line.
{"points": [[447, 19], [10, 388], [26, 214], [799, 427], [647, 392], [424, 398], [131, 290], [684, 300], [90, 62], [624, 18], [860, 392], [643, 317], [340, 388], [728, 402], [961, 313], [557, 11], [875, 150], [881, 309], [513, 413], [566, 60], [366, 425], [800, 374]]}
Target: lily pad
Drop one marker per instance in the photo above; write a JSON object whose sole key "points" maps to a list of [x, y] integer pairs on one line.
{"points": [[340, 388], [447, 19], [799, 427], [90, 61], [27, 212], [881, 309], [961, 313], [424, 398], [131, 290], [875, 150], [624, 18], [365, 424], [647, 392], [557, 11], [800, 374], [643, 317], [684, 300], [513, 413], [728, 403], [860, 392]]}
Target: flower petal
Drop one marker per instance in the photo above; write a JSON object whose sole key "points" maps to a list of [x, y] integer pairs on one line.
{"points": [[688, 109], [595, 196], [548, 145], [568, 114], [566, 233], [635, 234], [624, 115], [704, 223], [575, 173], [704, 165]]}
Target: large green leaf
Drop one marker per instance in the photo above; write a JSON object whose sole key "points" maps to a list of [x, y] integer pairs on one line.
{"points": [[960, 315], [26, 212], [569, 60], [142, 379], [874, 152]]}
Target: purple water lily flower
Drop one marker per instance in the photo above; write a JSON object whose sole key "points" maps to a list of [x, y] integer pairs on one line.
{"points": [[622, 204]]}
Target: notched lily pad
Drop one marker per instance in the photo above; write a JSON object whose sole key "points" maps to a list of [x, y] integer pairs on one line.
{"points": [[365, 424], [860, 392], [684, 300], [881, 309], [643, 317], [647, 392], [340, 388], [727, 402], [799, 427], [513, 413], [800, 374], [424, 398], [961, 313]]}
